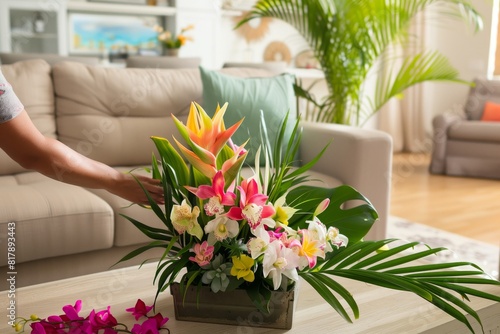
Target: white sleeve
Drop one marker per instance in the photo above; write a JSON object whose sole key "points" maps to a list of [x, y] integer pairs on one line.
{"points": [[10, 106]]}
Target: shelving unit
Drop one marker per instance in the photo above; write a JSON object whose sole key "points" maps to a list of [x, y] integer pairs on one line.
{"points": [[17, 27], [17, 33], [112, 8]]}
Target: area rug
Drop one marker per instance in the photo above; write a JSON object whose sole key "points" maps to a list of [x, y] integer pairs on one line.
{"points": [[459, 248]]}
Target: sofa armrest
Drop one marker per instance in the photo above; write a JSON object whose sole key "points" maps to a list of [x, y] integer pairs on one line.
{"points": [[361, 158], [440, 125]]}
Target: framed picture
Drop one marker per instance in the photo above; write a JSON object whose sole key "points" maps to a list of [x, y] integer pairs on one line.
{"points": [[98, 34]]}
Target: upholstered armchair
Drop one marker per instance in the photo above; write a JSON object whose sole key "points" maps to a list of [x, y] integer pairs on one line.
{"points": [[468, 143]]}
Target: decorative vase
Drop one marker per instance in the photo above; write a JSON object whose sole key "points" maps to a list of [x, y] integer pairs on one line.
{"points": [[235, 307], [172, 52]]}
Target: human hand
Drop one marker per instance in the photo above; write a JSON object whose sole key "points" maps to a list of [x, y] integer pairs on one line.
{"points": [[128, 188]]}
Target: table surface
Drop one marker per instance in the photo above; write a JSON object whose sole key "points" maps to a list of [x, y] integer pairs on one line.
{"points": [[381, 310]]}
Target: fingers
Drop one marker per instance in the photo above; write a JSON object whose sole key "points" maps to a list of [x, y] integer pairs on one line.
{"points": [[154, 188]]}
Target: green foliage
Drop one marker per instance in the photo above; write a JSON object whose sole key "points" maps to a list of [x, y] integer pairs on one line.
{"points": [[352, 39], [434, 282]]}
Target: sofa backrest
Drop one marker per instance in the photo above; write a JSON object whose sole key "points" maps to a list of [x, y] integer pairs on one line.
{"points": [[51, 59], [32, 83], [162, 62], [108, 114], [105, 113]]}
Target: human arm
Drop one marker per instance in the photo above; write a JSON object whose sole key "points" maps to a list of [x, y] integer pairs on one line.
{"points": [[22, 141]]}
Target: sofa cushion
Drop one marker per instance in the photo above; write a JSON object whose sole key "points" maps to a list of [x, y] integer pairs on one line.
{"points": [[483, 90], [32, 83], [52, 218], [109, 114], [475, 131], [491, 112], [246, 97]]}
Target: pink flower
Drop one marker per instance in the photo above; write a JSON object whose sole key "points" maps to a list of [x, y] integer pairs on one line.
{"points": [[215, 192], [203, 254], [71, 312], [102, 319], [150, 326], [140, 309], [253, 206], [102, 322], [43, 327]]}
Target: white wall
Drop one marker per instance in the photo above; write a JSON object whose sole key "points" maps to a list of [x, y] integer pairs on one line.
{"points": [[467, 51], [233, 46]]}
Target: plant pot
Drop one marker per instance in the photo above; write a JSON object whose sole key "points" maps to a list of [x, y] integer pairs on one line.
{"points": [[172, 52], [232, 307]]}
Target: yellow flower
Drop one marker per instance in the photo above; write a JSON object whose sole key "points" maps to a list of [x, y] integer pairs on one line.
{"points": [[242, 268]]}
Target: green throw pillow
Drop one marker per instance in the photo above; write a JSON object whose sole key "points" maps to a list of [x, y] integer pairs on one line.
{"points": [[246, 97]]}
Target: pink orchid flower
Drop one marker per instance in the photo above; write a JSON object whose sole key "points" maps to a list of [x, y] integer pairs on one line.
{"points": [[150, 326], [216, 195], [253, 205], [140, 309], [71, 312], [203, 253], [102, 319]]}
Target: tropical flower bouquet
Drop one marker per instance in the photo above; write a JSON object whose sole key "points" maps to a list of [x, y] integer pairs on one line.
{"points": [[260, 233]]}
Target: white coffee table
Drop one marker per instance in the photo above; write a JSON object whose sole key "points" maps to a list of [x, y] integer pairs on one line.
{"points": [[381, 310]]}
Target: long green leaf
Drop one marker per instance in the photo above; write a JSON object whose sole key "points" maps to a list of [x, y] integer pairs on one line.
{"points": [[426, 267], [140, 250], [326, 294]]}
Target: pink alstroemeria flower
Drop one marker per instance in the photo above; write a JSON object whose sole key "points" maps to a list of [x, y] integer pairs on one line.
{"points": [[216, 195], [203, 253], [139, 310], [253, 205]]}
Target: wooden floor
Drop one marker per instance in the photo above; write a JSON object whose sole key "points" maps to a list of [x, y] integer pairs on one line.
{"points": [[465, 206]]}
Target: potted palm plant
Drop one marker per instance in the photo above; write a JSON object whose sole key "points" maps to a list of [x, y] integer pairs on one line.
{"points": [[351, 39]]}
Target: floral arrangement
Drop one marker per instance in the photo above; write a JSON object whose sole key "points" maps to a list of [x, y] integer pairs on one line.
{"points": [[171, 41], [261, 233], [95, 322]]}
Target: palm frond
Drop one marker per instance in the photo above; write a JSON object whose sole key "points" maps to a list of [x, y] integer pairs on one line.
{"points": [[349, 38], [445, 285]]}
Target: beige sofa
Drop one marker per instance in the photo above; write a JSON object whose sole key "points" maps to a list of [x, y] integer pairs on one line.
{"points": [[464, 145], [109, 115]]}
